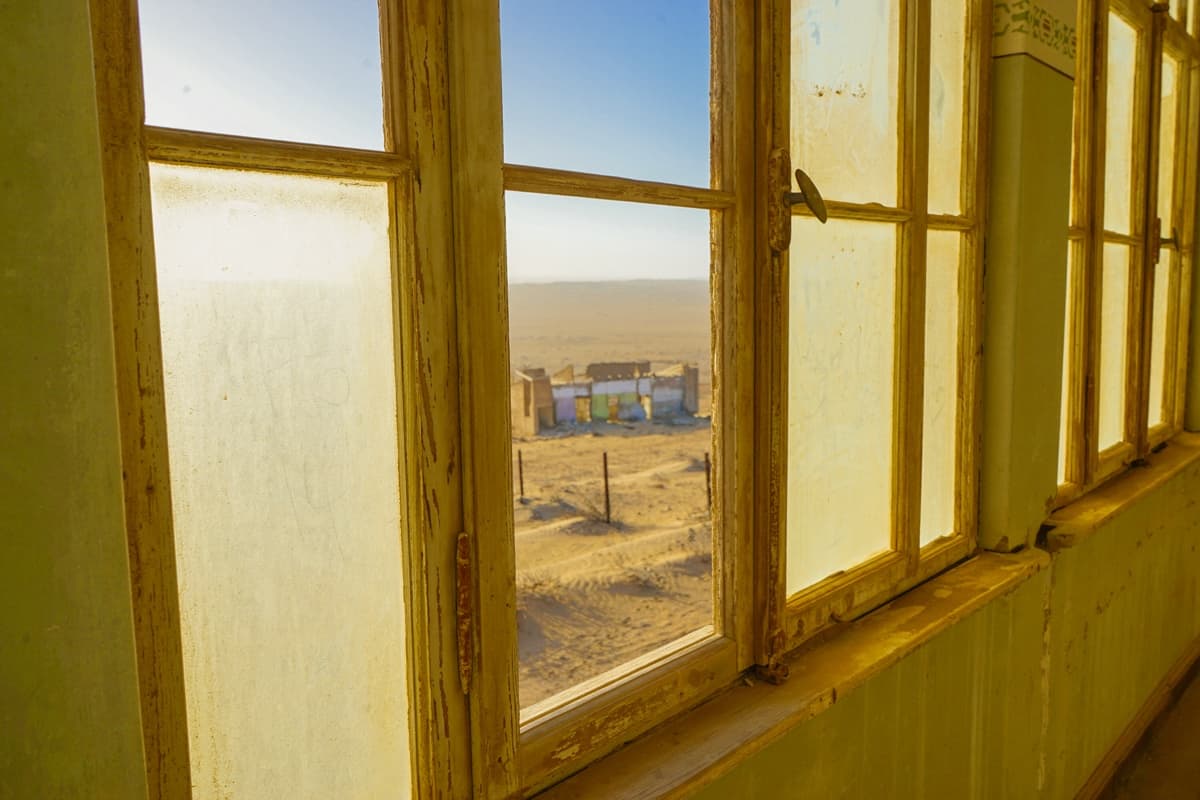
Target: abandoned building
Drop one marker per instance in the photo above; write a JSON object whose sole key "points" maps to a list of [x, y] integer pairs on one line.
{"points": [[627, 391], [256, 468]]}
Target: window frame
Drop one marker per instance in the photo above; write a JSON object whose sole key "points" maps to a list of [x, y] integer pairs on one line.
{"points": [[1085, 465], [417, 176], [845, 596]]}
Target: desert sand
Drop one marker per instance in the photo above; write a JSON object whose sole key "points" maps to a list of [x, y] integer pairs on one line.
{"points": [[591, 594]]}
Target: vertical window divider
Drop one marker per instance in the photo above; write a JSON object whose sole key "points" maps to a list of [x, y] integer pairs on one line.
{"points": [[141, 397], [908, 367]]}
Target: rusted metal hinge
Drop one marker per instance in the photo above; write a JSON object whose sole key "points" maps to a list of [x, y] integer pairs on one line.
{"points": [[464, 609]]}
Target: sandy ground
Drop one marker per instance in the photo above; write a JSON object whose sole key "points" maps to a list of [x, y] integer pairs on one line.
{"points": [[593, 595]]}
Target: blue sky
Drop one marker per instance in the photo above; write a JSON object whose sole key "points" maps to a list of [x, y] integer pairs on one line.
{"points": [[616, 87]]}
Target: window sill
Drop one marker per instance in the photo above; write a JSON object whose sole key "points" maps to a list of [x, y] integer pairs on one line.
{"points": [[703, 744], [1079, 519]]}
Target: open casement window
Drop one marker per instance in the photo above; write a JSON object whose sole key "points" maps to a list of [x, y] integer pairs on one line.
{"points": [[1130, 247], [872, 319], [623, 406], [266, 241]]}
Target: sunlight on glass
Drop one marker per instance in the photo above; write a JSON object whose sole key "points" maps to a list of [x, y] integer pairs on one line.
{"points": [[612, 444], [940, 429], [845, 97], [1160, 343], [277, 337], [306, 71], [947, 70], [1113, 314], [840, 385], [619, 87], [1118, 151], [1166, 142]]}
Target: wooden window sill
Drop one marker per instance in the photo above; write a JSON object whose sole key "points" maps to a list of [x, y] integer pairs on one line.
{"points": [[706, 742], [1079, 519]]}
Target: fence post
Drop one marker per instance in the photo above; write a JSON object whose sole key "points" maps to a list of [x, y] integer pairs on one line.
{"points": [[521, 472], [607, 505], [708, 481]]}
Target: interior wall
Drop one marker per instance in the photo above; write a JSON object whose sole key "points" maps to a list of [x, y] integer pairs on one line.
{"points": [[69, 718]]}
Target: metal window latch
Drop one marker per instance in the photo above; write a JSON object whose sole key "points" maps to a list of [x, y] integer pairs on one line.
{"points": [[779, 209]]}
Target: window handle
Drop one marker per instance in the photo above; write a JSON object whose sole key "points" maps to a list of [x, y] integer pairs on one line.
{"points": [[810, 195], [782, 198]]}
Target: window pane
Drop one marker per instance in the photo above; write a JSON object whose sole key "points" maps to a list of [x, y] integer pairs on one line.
{"points": [[619, 87], [840, 377], [1118, 155], [845, 96], [947, 70], [277, 331], [1113, 320], [940, 429], [609, 324], [1159, 344], [1166, 143], [306, 72]]}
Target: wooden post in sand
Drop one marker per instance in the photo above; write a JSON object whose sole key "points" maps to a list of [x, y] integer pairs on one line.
{"points": [[708, 481], [607, 505], [521, 473]]}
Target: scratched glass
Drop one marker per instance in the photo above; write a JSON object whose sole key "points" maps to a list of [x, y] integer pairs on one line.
{"points": [[947, 71], [277, 338], [306, 71], [1114, 314], [840, 390], [939, 449], [845, 91], [1118, 151], [1160, 336]]}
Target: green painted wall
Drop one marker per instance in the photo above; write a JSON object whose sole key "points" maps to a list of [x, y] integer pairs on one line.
{"points": [[959, 718], [1025, 297], [69, 720]]}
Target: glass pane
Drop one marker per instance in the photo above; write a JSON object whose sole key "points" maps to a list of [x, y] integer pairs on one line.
{"points": [[1118, 154], [617, 88], [1159, 344], [1166, 142], [1177, 9], [947, 70], [305, 72], [845, 97], [1064, 424], [277, 330], [1113, 317], [610, 326], [840, 354], [940, 429]]}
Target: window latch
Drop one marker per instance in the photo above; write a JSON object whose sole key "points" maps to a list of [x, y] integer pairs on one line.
{"points": [[779, 209]]}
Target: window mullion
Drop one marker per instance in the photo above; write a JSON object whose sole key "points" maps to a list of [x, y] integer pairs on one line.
{"points": [[910, 300]]}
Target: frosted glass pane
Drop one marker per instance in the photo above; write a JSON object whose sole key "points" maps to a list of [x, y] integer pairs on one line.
{"points": [[610, 330], [298, 71], [1113, 316], [1166, 142], [939, 432], [277, 332], [844, 93], [946, 71], [619, 87], [1159, 344], [1118, 154], [840, 354]]}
